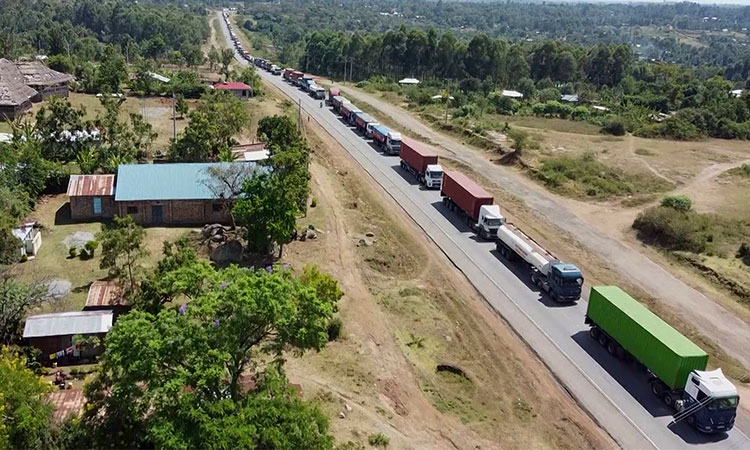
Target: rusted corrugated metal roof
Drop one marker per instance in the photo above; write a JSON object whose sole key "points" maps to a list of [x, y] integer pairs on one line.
{"points": [[91, 185], [104, 293]]}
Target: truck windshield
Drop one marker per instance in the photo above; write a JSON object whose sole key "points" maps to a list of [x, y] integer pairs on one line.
{"points": [[723, 404], [570, 281], [435, 175], [494, 222]]}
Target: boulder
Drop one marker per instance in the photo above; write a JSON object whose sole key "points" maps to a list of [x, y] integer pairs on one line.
{"points": [[212, 230], [310, 234], [228, 252]]}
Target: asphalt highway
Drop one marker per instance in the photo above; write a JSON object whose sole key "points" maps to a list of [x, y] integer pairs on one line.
{"points": [[614, 393]]}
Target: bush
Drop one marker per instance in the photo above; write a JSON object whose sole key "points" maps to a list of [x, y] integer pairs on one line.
{"points": [[24, 258], [335, 326], [674, 229], [378, 440], [91, 246], [678, 202], [73, 251], [743, 253], [615, 127]]}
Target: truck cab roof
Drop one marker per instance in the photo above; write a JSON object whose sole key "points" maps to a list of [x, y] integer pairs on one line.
{"points": [[714, 383], [394, 136], [567, 270], [434, 168]]}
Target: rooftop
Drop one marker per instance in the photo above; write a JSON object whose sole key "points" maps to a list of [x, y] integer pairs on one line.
{"points": [[512, 94], [105, 293], [235, 85], [179, 181], [68, 323], [13, 89], [37, 74], [91, 185]]}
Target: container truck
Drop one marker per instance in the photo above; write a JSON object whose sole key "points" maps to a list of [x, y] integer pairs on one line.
{"points": [[306, 82], [295, 77], [463, 196], [563, 282], [361, 120], [676, 366], [333, 93], [369, 130], [421, 163]]}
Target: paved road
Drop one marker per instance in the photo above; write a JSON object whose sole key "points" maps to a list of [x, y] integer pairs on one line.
{"points": [[614, 393], [709, 317]]}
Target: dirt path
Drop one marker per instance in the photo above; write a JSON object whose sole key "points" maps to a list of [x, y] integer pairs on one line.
{"points": [[631, 150], [695, 308]]}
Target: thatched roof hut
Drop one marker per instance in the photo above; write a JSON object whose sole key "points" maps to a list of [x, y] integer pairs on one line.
{"points": [[15, 95], [36, 74]]}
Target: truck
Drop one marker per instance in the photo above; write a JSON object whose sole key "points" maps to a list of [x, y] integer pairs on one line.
{"points": [[676, 367], [307, 81], [361, 120], [466, 198], [318, 92], [393, 143], [421, 163], [380, 135], [347, 109], [332, 93], [337, 101], [295, 77], [563, 282]]}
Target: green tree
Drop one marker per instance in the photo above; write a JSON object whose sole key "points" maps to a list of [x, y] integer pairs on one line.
{"points": [[26, 414], [225, 58], [56, 121], [16, 300], [122, 249], [213, 58], [181, 106], [112, 71], [218, 117], [175, 379], [268, 214]]}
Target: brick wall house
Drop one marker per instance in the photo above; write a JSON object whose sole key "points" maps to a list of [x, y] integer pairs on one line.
{"points": [[92, 197]]}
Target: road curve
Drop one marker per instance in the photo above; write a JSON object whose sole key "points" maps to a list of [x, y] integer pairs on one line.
{"points": [[615, 394]]}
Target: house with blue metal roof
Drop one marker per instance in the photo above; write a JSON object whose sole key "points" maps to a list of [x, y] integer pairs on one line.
{"points": [[181, 193]]}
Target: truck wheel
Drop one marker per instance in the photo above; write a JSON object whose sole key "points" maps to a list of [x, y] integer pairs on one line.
{"points": [[402, 165], [612, 348], [668, 399], [691, 420], [594, 332], [656, 388], [603, 339], [533, 279]]}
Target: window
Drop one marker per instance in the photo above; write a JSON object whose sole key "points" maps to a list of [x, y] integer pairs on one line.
{"points": [[97, 205], [132, 210], [216, 207]]}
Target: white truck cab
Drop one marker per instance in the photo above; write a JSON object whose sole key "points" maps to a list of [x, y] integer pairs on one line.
{"points": [[393, 143], [433, 176], [710, 401], [489, 221]]}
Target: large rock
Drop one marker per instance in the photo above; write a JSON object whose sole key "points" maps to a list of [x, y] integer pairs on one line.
{"points": [[212, 230], [228, 252]]}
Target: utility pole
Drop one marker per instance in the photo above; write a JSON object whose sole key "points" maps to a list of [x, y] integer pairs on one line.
{"points": [[351, 69], [174, 117], [299, 114]]}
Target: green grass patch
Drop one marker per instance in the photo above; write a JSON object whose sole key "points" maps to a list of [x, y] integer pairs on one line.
{"points": [[561, 125], [741, 171], [644, 152], [586, 177]]}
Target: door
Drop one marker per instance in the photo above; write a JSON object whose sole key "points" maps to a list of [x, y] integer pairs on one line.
{"points": [[157, 214], [97, 206]]}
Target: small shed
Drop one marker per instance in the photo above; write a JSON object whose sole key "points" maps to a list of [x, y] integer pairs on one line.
{"points": [[241, 90], [15, 95], [569, 98], [251, 152], [92, 197], [53, 333], [30, 237], [106, 296], [46, 81]]}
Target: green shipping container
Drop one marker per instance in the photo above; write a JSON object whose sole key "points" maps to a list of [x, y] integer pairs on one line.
{"points": [[667, 353]]}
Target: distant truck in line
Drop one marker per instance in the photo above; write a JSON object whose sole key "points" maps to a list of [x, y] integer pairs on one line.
{"points": [[362, 120], [332, 93], [421, 163], [336, 103], [468, 199], [707, 400], [387, 140], [348, 110]]}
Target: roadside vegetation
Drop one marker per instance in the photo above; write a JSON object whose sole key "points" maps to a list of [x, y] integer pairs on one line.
{"points": [[715, 245]]}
